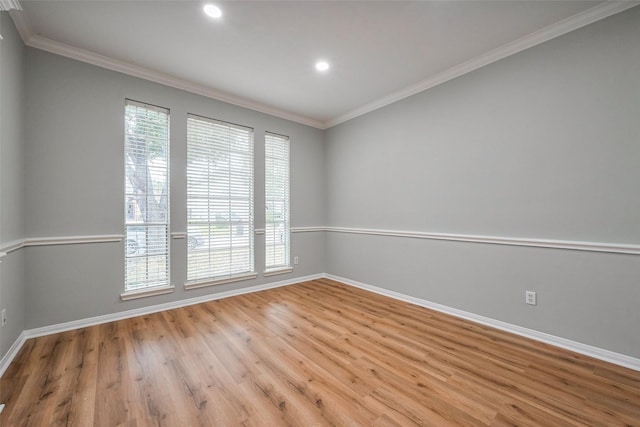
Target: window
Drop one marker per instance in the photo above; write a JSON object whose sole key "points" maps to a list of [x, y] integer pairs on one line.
{"points": [[220, 233], [277, 227], [146, 203]]}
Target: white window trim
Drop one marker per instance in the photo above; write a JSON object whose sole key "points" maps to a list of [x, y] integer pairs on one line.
{"points": [[162, 288], [149, 292], [280, 269], [220, 281], [245, 275], [275, 271]]}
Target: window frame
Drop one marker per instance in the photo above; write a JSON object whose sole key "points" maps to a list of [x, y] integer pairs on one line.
{"points": [[193, 279], [284, 266], [131, 218]]}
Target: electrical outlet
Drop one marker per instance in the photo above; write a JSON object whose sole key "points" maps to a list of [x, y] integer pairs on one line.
{"points": [[4, 316], [531, 297], [295, 260]]}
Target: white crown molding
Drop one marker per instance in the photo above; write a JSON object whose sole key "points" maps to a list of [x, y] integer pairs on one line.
{"points": [[577, 347], [567, 25], [574, 22], [617, 248], [102, 61], [10, 5]]}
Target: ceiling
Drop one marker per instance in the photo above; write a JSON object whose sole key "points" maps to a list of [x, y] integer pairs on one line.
{"points": [[261, 54]]}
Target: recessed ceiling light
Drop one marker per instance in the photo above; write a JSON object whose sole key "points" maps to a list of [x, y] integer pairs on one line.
{"points": [[322, 66], [212, 10]]}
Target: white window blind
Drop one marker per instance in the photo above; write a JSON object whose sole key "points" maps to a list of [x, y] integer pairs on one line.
{"points": [[146, 196], [277, 226], [220, 233]]}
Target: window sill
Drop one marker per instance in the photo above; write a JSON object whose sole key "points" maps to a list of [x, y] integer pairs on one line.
{"points": [[276, 271], [143, 293], [214, 282]]}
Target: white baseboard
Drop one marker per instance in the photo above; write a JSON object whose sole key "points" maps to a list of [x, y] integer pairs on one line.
{"points": [[587, 350], [97, 320], [12, 353], [595, 352]]}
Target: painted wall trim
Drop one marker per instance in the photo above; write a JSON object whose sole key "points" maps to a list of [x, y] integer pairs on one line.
{"points": [[587, 350], [97, 320], [307, 229], [618, 248], [221, 281], [276, 271], [577, 245], [106, 238], [54, 241], [569, 24], [13, 245], [10, 4], [595, 352], [12, 352], [149, 292], [62, 49], [73, 240], [296, 230], [560, 28]]}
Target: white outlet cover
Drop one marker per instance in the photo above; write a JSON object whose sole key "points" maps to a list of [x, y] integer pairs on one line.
{"points": [[531, 297]]}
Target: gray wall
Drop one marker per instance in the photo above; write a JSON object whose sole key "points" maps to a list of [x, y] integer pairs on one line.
{"points": [[12, 292], [75, 186], [544, 144]]}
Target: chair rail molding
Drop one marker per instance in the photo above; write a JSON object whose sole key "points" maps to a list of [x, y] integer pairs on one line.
{"points": [[14, 245], [618, 248]]}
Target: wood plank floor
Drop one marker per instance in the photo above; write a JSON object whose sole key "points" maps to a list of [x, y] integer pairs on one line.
{"points": [[313, 354]]}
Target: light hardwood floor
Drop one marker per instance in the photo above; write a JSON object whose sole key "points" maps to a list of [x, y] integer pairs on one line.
{"points": [[313, 354]]}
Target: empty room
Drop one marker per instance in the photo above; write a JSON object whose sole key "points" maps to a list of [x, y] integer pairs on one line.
{"points": [[319, 213]]}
